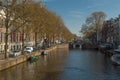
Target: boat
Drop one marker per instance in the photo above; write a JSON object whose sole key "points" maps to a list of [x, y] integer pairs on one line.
{"points": [[116, 59], [44, 52], [33, 58]]}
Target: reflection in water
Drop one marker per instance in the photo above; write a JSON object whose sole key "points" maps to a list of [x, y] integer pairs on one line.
{"points": [[45, 59], [65, 65]]}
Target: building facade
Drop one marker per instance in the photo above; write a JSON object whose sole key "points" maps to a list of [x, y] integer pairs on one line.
{"points": [[15, 37], [111, 31]]}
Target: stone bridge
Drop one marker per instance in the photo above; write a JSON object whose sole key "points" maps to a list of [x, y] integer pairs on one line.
{"points": [[75, 45]]}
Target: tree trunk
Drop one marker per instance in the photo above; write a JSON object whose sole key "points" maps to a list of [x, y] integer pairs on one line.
{"points": [[6, 42], [23, 41], [35, 39], [6, 37]]}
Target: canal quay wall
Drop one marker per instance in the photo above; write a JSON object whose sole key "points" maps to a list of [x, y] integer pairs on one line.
{"points": [[107, 52], [7, 63]]}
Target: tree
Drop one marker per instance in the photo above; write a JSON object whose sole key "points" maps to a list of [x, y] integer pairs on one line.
{"points": [[14, 18], [8, 19], [30, 17], [94, 24]]}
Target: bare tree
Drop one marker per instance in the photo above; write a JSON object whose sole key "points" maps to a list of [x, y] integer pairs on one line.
{"points": [[94, 23], [14, 19]]}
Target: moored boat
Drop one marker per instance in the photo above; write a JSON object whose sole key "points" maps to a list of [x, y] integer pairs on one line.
{"points": [[33, 58], [116, 59], [45, 52]]}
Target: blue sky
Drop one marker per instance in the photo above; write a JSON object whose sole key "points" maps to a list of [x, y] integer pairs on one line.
{"points": [[74, 12]]}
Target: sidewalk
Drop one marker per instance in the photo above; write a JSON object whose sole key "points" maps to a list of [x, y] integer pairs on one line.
{"points": [[12, 61], [2, 61], [6, 63], [9, 62], [2, 56]]}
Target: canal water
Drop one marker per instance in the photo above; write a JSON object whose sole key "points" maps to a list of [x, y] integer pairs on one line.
{"points": [[65, 65]]}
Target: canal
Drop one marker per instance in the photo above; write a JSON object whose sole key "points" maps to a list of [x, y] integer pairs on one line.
{"points": [[65, 65]]}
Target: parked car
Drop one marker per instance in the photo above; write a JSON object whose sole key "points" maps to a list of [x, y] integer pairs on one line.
{"points": [[106, 46], [15, 53], [116, 59], [28, 49]]}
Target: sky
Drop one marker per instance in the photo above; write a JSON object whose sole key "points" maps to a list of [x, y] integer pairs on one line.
{"points": [[75, 12]]}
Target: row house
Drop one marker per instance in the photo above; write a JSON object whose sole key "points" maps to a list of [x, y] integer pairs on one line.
{"points": [[104, 31], [2, 30], [15, 38], [111, 31]]}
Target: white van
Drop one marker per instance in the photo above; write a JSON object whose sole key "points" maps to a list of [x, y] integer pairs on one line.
{"points": [[28, 49]]}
